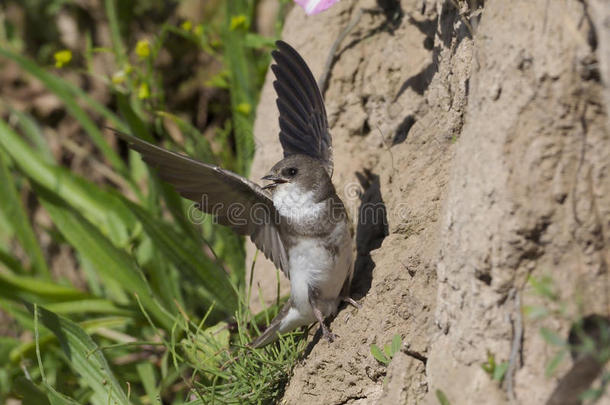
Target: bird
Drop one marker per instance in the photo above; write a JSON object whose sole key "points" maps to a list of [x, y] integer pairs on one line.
{"points": [[297, 219]]}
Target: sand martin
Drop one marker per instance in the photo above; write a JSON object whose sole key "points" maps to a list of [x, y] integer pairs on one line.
{"points": [[297, 220]]}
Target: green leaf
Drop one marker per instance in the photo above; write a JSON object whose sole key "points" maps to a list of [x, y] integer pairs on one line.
{"points": [[84, 356], [551, 337], [108, 260], [378, 355], [32, 131], [554, 363], [29, 392], [18, 312], [177, 207], [396, 344], [499, 371], [253, 40], [146, 372], [57, 398], [535, 312], [490, 365], [442, 398], [236, 56], [219, 80], [10, 262], [591, 395], [7, 344], [543, 286], [137, 126], [91, 326], [34, 290], [387, 350], [90, 306], [16, 214], [115, 33]]}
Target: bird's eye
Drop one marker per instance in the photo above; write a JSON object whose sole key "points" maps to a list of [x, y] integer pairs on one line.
{"points": [[291, 171]]}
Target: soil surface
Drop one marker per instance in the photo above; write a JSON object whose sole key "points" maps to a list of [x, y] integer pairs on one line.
{"points": [[480, 136]]}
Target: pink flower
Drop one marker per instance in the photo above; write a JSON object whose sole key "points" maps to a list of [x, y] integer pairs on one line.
{"points": [[315, 6]]}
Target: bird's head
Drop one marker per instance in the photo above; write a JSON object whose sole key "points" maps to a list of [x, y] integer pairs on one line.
{"points": [[302, 172]]}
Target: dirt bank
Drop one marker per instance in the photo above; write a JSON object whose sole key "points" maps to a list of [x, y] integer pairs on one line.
{"points": [[484, 133]]}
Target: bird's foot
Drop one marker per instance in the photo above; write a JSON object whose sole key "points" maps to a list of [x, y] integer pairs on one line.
{"points": [[328, 335], [351, 301]]}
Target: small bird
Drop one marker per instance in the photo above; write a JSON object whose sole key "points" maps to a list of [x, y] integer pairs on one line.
{"points": [[297, 220]]}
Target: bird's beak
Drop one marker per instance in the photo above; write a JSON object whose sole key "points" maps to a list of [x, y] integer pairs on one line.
{"points": [[275, 180]]}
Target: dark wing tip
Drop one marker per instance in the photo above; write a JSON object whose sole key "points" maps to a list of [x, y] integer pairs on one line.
{"points": [[120, 134], [303, 106], [131, 140]]}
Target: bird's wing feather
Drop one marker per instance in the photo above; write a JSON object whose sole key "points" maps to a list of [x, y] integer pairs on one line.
{"points": [[303, 121], [233, 200]]}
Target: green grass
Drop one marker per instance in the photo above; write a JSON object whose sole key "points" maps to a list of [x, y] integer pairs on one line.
{"points": [[589, 334], [153, 316]]}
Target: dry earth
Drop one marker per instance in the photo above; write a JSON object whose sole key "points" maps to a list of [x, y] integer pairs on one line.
{"points": [[484, 133]]}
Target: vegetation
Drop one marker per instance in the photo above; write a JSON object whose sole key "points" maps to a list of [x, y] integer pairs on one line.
{"points": [[496, 371], [111, 292], [386, 355], [588, 342]]}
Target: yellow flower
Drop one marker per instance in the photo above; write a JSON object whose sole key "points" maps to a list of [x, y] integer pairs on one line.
{"points": [[187, 25], [198, 30], [118, 77], [62, 57], [238, 22], [143, 49], [143, 91], [244, 108]]}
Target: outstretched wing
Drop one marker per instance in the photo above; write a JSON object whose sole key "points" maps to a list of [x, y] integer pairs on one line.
{"points": [[234, 200], [303, 122]]}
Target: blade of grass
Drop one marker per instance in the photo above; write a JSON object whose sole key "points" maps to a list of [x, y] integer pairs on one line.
{"points": [[17, 312], [11, 262], [32, 289], [115, 33], [136, 125], [30, 128], [90, 306], [92, 326], [15, 213], [29, 392], [84, 356], [56, 398], [236, 55], [147, 376]]}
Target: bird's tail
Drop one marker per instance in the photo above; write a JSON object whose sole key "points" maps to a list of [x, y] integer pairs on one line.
{"points": [[271, 333]]}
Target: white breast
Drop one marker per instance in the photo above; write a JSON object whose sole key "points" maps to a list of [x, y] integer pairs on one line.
{"points": [[296, 205]]}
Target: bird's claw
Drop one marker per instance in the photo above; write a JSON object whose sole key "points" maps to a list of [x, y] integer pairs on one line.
{"points": [[351, 301], [328, 335]]}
